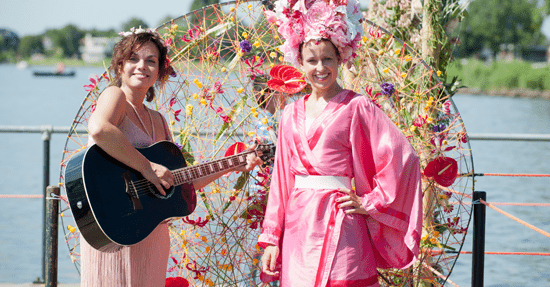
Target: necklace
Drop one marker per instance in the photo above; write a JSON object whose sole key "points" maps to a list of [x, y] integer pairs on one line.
{"points": [[143, 125]]}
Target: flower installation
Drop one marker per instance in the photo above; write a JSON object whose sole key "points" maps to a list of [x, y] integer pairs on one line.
{"points": [[219, 54]]}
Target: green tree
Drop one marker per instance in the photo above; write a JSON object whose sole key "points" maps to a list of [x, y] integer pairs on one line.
{"points": [[9, 41], [164, 20], [134, 23], [491, 23], [31, 45], [65, 41], [198, 4]]}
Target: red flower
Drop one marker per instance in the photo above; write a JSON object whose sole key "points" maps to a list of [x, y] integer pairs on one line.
{"points": [[253, 63], [93, 85], [176, 282], [444, 170], [199, 222], [286, 79], [235, 148], [193, 34], [176, 114]]}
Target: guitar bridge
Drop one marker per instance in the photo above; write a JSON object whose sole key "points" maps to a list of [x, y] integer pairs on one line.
{"points": [[131, 191]]}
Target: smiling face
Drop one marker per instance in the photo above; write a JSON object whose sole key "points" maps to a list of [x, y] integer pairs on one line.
{"points": [[320, 62], [141, 69]]}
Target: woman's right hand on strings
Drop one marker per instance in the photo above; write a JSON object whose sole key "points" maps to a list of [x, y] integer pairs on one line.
{"points": [[160, 176], [269, 260]]}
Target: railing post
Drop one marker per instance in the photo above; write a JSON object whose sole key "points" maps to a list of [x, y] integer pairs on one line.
{"points": [[52, 229], [46, 137], [478, 250]]}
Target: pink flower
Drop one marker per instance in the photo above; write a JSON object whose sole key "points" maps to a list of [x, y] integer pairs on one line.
{"points": [[271, 16], [93, 85], [253, 63], [176, 114], [193, 34]]}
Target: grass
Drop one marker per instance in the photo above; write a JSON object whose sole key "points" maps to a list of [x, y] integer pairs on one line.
{"points": [[500, 75]]}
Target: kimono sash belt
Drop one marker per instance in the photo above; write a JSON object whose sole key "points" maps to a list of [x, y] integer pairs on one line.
{"points": [[321, 182]]}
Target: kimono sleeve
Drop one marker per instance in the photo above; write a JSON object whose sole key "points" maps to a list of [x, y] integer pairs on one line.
{"points": [[387, 177], [281, 182]]}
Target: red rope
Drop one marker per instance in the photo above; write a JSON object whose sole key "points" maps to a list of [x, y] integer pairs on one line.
{"points": [[516, 219], [497, 253], [21, 196]]}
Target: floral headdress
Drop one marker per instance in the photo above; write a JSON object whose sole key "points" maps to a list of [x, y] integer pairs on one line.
{"points": [[300, 21]]}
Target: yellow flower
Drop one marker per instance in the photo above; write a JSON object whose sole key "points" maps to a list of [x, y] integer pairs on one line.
{"points": [[216, 190], [172, 123], [253, 109], [272, 65], [425, 237], [189, 109], [429, 120], [381, 52], [276, 37], [240, 53], [250, 7], [364, 39], [207, 217], [224, 239], [204, 239], [204, 102], [436, 233], [195, 96], [182, 233], [255, 114], [235, 217], [264, 121], [444, 142], [257, 44], [255, 261], [207, 249], [198, 83], [281, 58], [273, 54], [183, 244], [240, 90], [71, 228], [197, 235], [257, 247], [386, 70], [224, 70], [251, 133], [245, 35], [438, 73], [407, 58], [232, 9], [224, 252], [397, 52], [403, 75], [433, 240], [195, 162], [232, 19], [413, 128]]}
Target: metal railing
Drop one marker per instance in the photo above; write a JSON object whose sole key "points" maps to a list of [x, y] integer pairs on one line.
{"points": [[49, 245]]}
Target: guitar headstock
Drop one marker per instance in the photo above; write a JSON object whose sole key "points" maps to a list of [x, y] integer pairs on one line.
{"points": [[268, 153]]}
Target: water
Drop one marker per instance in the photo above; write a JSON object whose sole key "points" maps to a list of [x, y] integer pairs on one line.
{"points": [[30, 101]]}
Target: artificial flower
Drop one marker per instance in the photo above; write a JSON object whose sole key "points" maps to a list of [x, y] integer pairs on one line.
{"points": [[444, 170], [93, 85], [286, 79], [176, 282], [245, 45], [387, 89], [253, 64]]}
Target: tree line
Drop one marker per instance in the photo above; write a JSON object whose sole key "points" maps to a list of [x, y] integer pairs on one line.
{"points": [[57, 43]]}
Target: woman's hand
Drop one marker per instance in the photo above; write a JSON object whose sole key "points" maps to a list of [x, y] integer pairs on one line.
{"points": [[269, 260], [252, 160], [350, 202], [160, 176]]}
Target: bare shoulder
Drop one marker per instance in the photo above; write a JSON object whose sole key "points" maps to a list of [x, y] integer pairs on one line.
{"points": [[112, 94]]}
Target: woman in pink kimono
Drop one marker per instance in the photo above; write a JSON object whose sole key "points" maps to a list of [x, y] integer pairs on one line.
{"points": [[120, 123], [317, 228]]}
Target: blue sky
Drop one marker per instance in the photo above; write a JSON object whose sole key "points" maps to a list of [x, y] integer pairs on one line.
{"points": [[33, 17]]}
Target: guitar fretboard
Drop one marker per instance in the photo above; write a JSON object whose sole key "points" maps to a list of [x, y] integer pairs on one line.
{"points": [[190, 173]]}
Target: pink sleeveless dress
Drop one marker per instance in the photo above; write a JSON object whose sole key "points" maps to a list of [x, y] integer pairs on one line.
{"points": [[142, 264]]}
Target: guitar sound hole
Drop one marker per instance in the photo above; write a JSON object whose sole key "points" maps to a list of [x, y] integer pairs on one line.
{"points": [[153, 192]]}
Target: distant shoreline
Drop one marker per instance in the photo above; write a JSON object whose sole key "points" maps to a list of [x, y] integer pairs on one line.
{"points": [[514, 93]]}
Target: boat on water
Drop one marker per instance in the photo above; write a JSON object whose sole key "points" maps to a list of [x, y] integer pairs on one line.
{"points": [[54, 74]]}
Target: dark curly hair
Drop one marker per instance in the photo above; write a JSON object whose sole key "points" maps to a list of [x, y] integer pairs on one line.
{"points": [[126, 47]]}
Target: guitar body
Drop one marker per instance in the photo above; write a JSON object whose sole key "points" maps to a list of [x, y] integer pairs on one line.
{"points": [[113, 205]]}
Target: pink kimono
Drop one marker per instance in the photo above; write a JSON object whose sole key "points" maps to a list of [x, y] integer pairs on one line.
{"points": [[321, 245]]}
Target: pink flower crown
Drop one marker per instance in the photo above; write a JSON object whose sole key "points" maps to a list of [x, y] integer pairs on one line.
{"points": [[300, 21]]}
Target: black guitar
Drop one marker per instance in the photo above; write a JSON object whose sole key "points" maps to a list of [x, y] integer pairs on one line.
{"points": [[114, 206]]}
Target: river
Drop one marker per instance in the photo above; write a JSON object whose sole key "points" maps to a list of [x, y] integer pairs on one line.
{"points": [[35, 101]]}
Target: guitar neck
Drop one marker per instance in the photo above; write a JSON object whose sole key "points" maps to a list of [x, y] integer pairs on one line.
{"points": [[191, 173]]}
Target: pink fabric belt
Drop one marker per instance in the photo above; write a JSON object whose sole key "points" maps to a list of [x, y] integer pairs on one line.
{"points": [[322, 182]]}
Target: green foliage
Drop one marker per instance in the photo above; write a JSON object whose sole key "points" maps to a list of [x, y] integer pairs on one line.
{"points": [[501, 75], [30, 45], [66, 39], [494, 22], [9, 41], [134, 23]]}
